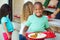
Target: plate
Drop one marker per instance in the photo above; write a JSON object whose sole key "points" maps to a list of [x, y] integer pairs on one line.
{"points": [[37, 35]]}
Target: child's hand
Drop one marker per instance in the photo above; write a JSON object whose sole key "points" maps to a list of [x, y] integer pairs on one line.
{"points": [[24, 34], [52, 15], [9, 37]]}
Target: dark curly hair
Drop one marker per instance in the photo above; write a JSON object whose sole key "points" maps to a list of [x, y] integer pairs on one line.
{"points": [[39, 3], [5, 10]]}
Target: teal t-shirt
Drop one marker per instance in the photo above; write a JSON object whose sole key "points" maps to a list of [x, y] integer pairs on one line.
{"points": [[36, 24], [0, 21], [9, 25]]}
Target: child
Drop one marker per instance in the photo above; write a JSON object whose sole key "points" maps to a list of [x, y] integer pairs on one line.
{"points": [[27, 10], [5, 21], [30, 5], [36, 22]]}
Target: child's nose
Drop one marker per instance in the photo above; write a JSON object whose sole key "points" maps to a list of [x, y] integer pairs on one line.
{"points": [[38, 10]]}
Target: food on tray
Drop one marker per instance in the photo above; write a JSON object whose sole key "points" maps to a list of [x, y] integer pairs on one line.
{"points": [[34, 35], [37, 35]]}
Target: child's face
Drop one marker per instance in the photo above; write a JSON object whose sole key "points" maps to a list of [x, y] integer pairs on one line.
{"points": [[38, 10]]}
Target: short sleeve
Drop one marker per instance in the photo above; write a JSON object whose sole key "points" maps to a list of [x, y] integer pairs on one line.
{"points": [[3, 20], [46, 24], [28, 22]]}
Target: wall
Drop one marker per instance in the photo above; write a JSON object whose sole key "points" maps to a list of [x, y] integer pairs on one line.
{"points": [[3, 2], [29, 0], [53, 2], [42, 1], [17, 9]]}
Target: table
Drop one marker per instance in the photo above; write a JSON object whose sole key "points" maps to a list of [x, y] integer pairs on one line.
{"points": [[49, 9], [55, 25], [55, 22]]}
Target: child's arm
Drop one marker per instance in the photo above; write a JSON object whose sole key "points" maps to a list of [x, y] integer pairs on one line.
{"points": [[55, 13], [28, 23], [25, 29], [6, 30], [47, 27]]}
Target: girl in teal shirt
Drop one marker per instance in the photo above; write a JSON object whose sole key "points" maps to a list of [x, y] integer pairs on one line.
{"points": [[6, 23]]}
